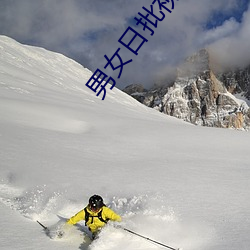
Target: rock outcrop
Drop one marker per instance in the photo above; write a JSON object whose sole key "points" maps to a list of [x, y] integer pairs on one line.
{"points": [[201, 97]]}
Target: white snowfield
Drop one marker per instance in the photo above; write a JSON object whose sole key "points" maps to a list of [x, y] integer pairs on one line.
{"points": [[181, 185]]}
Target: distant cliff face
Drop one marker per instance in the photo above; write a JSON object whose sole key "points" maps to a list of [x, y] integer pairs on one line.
{"points": [[201, 97], [237, 81]]}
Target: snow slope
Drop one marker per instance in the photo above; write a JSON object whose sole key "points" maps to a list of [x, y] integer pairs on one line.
{"points": [[176, 183]]}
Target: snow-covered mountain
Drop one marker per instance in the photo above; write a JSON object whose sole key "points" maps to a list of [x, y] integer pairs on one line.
{"points": [[201, 96], [182, 185]]}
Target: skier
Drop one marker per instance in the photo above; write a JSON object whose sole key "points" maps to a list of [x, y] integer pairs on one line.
{"points": [[95, 214]]}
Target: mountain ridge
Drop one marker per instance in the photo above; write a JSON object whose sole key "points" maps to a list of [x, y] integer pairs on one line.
{"points": [[201, 95]]}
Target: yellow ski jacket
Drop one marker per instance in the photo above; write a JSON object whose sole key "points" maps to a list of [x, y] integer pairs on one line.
{"points": [[94, 223]]}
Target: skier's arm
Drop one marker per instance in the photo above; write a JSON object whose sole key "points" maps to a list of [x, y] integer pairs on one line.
{"points": [[77, 217], [110, 214]]}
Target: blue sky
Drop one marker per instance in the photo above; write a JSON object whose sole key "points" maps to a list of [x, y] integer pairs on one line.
{"points": [[218, 17], [86, 30]]}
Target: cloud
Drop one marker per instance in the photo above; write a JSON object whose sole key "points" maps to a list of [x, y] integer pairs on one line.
{"points": [[87, 30], [233, 49], [229, 27]]}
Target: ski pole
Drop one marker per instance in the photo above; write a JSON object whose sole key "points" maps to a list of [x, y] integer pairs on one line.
{"points": [[146, 238], [45, 228]]}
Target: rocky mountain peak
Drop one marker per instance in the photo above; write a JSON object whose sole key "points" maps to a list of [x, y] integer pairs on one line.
{"points": [[197, 64], [202, 97]]}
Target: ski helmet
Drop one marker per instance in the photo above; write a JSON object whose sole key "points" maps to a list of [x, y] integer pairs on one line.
{"points": [[95, 202]]}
